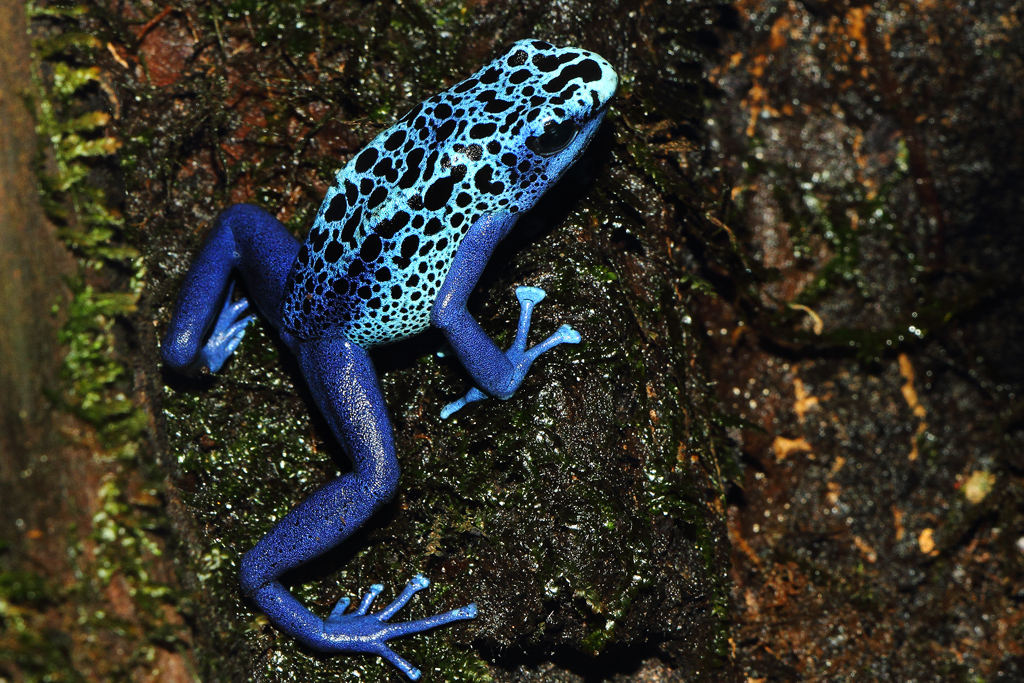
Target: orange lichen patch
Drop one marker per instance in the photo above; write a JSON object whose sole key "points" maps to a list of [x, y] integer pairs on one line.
{"points": [[734, 61], [865, 549], [978, 486], [738, 190], [834, 490], [915, 452], [739, 542], [757, 97], [783, 447], [837, 465], [816, 323], [804, 401], [1008, 22], [897, 520], [856, 30], [780, 28], [926, 542], [864, 175], [908, 390], [910, 396], [755, 102]]}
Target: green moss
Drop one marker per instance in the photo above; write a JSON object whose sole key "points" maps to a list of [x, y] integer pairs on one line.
{"points": [[26, 641], [596, 641]]}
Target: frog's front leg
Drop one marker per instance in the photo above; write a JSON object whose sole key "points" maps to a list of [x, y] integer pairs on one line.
{"points": [[207, 325], [495, 372], [343, 383]]}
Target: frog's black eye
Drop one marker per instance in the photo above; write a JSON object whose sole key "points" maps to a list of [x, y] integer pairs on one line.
{"points": [[554, 139]]}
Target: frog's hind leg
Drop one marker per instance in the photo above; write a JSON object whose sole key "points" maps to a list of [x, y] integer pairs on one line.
{"points": [[207, 325], [343, 383]]}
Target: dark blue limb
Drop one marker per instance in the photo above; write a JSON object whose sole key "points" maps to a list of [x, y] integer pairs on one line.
{"points": [[206, 325], [343, 383], [495, 372]]}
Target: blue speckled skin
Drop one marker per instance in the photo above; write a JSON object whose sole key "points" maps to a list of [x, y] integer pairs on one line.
{"points": [[398, 244]]}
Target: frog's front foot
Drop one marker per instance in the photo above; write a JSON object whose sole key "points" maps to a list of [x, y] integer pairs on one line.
{"points": [[360, 631], [227, 332], [520, 357]]}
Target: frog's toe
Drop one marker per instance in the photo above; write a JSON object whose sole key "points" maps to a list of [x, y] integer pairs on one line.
{"points": [[222, 343], [338, 613], [415, 585], [228, 332], [368, 599], [471, 396], [402, 663], [563, 335]]}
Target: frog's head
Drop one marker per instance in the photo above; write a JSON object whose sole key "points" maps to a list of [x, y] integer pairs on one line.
{"points": [[567, 91], [509, 131]]}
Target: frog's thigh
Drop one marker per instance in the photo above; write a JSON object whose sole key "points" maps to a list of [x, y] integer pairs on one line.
{"points": [[264, 253]]}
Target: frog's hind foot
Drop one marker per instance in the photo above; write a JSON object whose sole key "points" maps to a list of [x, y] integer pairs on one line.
{"points": [[372, 630], [227, 332]]}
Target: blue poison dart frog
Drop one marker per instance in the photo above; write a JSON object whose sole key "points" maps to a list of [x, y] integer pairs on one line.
{"points": [[398, 244]]}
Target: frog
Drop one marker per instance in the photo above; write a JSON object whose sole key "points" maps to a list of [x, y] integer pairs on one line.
{"points": [[398, 244]]}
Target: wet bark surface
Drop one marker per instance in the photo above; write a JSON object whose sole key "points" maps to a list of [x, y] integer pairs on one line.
{"points": [[877, 528]]}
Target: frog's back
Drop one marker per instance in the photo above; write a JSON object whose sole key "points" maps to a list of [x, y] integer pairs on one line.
{"points": [[387, 231]]}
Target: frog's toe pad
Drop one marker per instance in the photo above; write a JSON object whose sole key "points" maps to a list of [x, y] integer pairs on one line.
{"points": [[532, 295], [568, 335]]}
